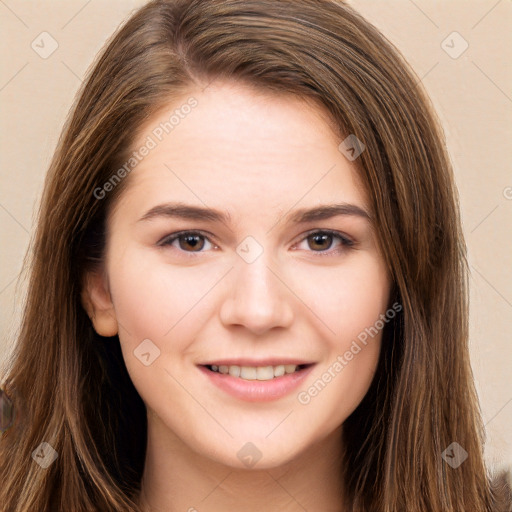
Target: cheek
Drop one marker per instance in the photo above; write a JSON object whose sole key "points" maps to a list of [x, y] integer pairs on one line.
{"points": [[345, 299], [351, 301], [142, 300], [151, 298], [163, 303]]}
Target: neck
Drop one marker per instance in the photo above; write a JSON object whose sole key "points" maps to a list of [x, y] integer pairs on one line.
{"points": [[178, 479]]}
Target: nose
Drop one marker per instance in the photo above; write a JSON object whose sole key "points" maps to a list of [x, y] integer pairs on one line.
{"points": [[258, 297]]}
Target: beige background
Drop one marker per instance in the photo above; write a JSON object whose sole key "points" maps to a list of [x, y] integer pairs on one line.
{"points": [[472, 93]]}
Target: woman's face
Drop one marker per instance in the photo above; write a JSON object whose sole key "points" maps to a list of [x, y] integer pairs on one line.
{"points": [[248, 283]]}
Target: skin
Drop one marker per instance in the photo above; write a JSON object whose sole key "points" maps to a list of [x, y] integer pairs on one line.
{"points": [[258, 157]]}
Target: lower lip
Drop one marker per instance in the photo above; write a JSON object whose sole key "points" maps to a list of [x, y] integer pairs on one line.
{"points": [[257, 390]]}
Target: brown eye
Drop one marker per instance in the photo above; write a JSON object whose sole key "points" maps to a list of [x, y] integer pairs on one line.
{"points": [[321, 242], [188, 241], [193, 242]]}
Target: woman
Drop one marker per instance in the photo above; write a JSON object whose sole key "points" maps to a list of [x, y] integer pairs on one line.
{"points": [[189, 342]]}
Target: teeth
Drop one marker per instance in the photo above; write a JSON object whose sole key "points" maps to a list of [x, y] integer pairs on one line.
{"points": [[289, 368], [279, 370], [234, 371], [255, 372], [249, 372]]}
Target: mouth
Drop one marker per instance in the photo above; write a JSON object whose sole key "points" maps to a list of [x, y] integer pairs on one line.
{"points": [[259, 373], [259, 381]]}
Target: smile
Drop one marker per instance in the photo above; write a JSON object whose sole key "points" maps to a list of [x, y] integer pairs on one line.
{"points": [[256, 372], [256, 383]]}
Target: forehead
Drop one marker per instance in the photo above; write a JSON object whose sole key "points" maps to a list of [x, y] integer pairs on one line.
{"points": [[242, 148]]}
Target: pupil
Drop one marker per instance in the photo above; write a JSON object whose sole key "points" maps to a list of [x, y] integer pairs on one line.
{"points": [[322, 238], [192, 241]]}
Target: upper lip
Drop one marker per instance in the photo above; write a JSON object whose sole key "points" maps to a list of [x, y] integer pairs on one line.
{"points": [[272, 361]]}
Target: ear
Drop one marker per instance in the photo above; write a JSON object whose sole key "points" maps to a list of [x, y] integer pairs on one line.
{"points": [[97, 301]]}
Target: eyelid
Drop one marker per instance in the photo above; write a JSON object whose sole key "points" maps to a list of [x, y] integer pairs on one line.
{"points": [[345, 238], [346, 243], [168, 239]]}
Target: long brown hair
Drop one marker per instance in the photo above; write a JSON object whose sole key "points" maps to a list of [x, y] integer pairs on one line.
{"points": [[70, 387]]}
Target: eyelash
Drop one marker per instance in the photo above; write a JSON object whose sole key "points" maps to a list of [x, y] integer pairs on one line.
{"points": [[346, 242]]}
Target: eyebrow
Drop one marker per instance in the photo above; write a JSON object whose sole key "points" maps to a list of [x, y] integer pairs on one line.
{"points": [[301, 216]]}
